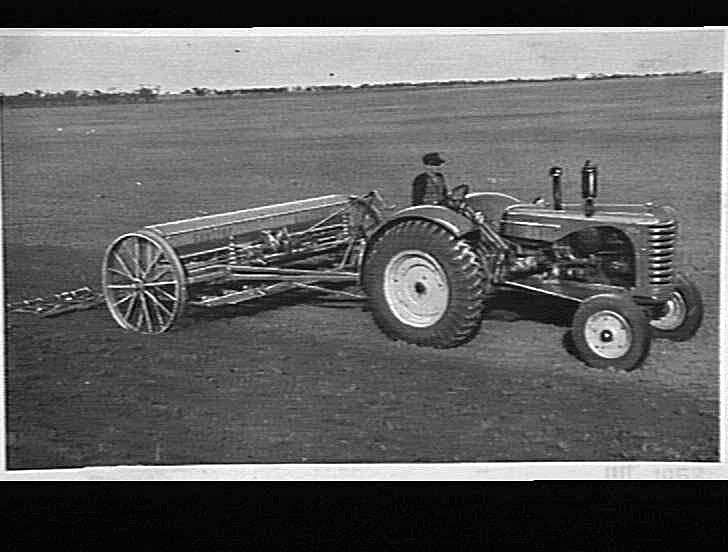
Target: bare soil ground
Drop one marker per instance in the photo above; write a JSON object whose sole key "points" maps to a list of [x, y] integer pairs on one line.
{"points": [[310, 379]]}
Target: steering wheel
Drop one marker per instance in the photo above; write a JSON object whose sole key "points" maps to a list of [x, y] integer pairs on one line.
{"points": [[459, 192], [456, 198]]}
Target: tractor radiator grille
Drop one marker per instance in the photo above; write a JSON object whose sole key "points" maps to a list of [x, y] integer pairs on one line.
{"points": [[661, 251]]}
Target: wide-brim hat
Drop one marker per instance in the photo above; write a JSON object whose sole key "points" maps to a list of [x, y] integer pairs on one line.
{"points": [[433, 159]]}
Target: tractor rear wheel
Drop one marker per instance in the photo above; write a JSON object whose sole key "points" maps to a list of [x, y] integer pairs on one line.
{"points": [[610, 330], [424, 285]]}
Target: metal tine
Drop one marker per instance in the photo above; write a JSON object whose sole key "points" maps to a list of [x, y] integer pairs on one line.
{"points": [[63, 301], [346, 256]]}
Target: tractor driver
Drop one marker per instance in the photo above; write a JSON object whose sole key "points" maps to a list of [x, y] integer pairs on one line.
{"points": [[429, 187]]}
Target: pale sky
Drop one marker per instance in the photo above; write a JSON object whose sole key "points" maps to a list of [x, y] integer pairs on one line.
{"points": [[176, 59]]}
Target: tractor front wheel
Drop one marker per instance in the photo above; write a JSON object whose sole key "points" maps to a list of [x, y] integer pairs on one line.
{"points": [[683, 312], [424, 285], [610, 330]]}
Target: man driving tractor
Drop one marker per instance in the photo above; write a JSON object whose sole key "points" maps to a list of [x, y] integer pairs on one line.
{"points": [[429, 187]]}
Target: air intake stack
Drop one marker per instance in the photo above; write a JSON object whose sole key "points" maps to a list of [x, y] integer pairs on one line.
{"points": [[589, 187], [555, 174]]}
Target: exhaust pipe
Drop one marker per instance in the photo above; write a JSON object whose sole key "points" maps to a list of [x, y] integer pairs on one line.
{"points": [[588, 187], [555, 174]]}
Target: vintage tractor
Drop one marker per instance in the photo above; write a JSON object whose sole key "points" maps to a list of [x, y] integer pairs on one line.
{"points": [[430, 271]]}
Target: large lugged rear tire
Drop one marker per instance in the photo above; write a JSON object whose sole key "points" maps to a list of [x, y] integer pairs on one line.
{"points": [[424, 285]]}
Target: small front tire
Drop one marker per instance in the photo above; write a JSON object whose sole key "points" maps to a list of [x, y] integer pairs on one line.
{"points": [[610, 330], [683, 312]]}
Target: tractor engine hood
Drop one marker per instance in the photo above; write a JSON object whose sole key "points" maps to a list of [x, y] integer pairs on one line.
{"points": [[544, 224]]}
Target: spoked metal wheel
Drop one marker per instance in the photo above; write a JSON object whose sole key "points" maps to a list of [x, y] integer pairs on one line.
{"points": [[144, 283], [416, 288]]}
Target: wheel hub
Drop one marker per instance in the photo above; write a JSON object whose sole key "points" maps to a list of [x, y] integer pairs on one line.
{"points": [[416, 288], [608, 334]]}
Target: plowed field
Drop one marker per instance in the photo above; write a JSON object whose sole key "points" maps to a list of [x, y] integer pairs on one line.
{"points": [[311, 379]]}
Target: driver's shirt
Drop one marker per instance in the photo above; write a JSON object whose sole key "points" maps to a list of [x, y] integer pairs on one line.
{"points": [[428, 189]]}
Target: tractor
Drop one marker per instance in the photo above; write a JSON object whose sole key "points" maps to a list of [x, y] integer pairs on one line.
{"points": [[430, 272]]}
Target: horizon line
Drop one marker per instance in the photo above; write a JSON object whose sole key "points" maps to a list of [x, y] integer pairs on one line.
{"points": [[292, 87]]}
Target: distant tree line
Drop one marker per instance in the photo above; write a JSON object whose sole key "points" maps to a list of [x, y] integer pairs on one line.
{"points": [[143, 94], [589, 76], [203, 91]]}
